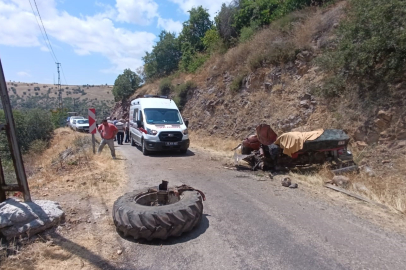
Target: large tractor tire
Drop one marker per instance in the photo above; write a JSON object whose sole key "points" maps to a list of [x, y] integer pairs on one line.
{"points": [[156, 222]]}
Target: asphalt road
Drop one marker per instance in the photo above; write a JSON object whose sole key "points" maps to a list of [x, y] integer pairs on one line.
{"points": [[251, 224]]}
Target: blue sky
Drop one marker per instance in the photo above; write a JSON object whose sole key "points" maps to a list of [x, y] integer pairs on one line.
{"points": [[95, 40]]}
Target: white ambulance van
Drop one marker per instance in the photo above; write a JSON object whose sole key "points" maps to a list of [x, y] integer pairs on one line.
{"points": [[155, 124]]}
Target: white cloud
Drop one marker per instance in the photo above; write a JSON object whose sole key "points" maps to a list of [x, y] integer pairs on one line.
{"points": [[170, 25], [18, 23], [23, 74], [213, 6], [98, 35], [136, 11], [87, 34]]}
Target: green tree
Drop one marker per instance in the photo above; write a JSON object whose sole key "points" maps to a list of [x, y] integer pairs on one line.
{"points": [[225, 22], [211, 40], [164, 58], [126, 84], [263, 12], [195, 28], [259, 11]]}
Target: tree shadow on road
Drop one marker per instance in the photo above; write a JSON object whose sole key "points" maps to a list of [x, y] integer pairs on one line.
{"points": [[185, 237]]}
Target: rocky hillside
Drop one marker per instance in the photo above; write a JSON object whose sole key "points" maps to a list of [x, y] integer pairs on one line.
{"points": [[274, 78]]}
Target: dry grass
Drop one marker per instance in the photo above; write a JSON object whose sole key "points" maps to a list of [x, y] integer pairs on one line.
{"points": [[215, 143], [86, 186], [220, 148]]}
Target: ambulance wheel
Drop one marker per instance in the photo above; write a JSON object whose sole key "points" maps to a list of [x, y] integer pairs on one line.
{"points": [[145, 152]]}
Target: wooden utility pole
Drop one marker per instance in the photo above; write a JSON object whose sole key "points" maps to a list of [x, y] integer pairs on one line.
{"points": [[9, 127]]}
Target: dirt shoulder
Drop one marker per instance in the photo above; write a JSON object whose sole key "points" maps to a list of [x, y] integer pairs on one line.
{"points": [[86, 186]]}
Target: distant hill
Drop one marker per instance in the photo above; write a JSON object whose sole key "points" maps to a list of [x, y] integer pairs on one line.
{"points": [[26, 95], [101, 92]]}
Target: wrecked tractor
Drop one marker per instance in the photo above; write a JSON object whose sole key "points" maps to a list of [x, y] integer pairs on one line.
{"points": [[268, 151], [158, 212]]}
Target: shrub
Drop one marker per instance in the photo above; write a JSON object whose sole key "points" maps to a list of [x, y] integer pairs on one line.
{"points": [[36, 93], [165, 87], [192, 62], [236, 84], [211, 40], [38, 146], [182, 92], [247, 33], [371, 44], [332, 86], [197, 62], [31, 125]]}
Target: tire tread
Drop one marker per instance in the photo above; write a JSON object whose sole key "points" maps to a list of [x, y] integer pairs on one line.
{"points": [[155, 222]]}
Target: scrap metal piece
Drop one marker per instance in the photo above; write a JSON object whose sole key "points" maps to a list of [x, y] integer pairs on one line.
{"points": [[166, 196], [238, 157], [265, 134], [345, 169]]}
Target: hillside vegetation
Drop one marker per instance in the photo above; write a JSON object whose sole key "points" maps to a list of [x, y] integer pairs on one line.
{"points": [[76, 98], [339, 64]]}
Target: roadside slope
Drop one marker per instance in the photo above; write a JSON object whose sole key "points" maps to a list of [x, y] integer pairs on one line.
{"points": [[86, 186]]}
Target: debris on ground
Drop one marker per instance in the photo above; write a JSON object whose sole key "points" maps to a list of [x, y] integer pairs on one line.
{"points": [[268, 151], [286, 182], [340, 181], [351, 194], [26, 219], [293, 185]]}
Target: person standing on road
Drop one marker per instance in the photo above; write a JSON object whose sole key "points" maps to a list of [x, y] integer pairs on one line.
{"points": [[114, 122], [127, 131], [120, 133], [107, 132]]}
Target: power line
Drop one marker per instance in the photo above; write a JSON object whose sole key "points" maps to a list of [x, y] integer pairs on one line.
{"points": [[49, 45], [63, 73], [42, 33], [39, 15]]}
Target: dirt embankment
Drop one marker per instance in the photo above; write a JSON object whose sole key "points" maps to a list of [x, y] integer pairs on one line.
{"points": [[86, 186], [238, 90]]}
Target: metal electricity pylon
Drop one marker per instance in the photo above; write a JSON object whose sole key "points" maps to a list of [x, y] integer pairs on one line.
{"points": [[9, 128]]}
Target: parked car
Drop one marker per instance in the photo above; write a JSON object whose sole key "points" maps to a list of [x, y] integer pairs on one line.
{"points": [[72, 121], [82, 125], [157, 125]]}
